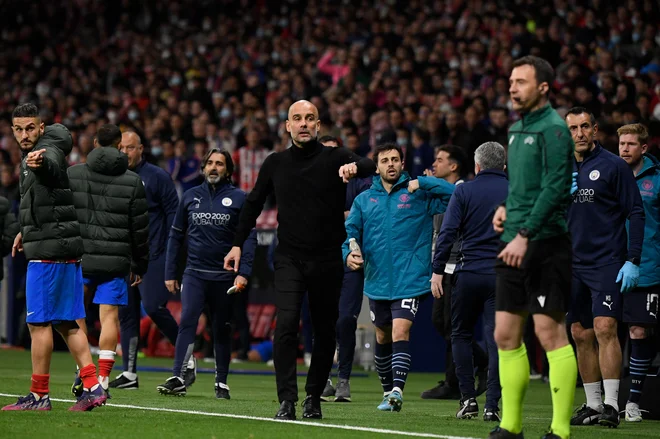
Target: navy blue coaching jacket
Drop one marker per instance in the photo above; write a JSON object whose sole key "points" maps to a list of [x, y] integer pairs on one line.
{"points": [[469, 218], [607, 196], [162, 201], [208, 218]]}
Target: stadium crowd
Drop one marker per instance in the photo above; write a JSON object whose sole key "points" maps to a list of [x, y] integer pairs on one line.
{"points": [[190, 75]]}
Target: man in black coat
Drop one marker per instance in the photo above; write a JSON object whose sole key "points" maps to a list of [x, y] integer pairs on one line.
{"points": [[111, 206], [307, 182], [50, 237]]}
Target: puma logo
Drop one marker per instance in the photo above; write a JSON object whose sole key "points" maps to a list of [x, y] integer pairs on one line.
{"points": [[609, 305]]}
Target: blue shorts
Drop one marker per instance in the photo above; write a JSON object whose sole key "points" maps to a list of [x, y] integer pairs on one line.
{"points": [[54, 292], [108, 291], [640, 306], [594, 293], [384, 311], [265, 350]]}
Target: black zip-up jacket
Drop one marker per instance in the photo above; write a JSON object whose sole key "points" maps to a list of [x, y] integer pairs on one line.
{"points": [[112, 210], [48, 219], [310, 199]]}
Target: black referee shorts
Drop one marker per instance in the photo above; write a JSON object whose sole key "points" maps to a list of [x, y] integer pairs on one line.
{"points": [[543, 283]]}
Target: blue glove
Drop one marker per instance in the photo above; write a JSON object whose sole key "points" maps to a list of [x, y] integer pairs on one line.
{"points": [[574, 187], [629, 274]]}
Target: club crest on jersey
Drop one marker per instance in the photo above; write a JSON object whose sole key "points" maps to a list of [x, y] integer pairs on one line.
{"points": [[404, 198], [647, 185], [226, 201], [529, 140], [594, 175]]}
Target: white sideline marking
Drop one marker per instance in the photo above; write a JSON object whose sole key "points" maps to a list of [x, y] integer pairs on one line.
{"points": [[257, 418]]}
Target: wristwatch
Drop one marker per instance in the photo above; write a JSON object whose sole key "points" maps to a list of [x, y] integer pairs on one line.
{"points": [[525, 233], [634, 261]]}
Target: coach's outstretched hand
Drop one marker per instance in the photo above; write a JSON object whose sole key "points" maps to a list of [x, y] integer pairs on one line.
{"points": [[346, 172], [233, 259]]}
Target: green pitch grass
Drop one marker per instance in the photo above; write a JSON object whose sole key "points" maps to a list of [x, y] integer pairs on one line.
{"points": [[254, 396]]}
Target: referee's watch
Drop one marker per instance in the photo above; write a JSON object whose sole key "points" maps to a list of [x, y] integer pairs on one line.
{"points": [[525, 233], [635, 261]]}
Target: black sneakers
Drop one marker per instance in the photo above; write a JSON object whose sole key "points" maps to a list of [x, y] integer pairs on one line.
{"points": [[610, 417], [221, 392], [173, 386], [121, 382], [585, 415], [468, 409]]}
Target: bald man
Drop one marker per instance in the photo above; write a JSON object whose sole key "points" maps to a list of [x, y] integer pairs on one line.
{"points": [[309, 182], [162, 201]]}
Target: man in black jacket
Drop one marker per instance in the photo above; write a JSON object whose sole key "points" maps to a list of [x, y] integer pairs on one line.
{"points": [[307, 182], [9, 228], [50, 237], [112, 211]]}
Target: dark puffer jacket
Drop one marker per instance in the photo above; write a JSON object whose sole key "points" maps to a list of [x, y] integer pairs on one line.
{"points": [[9, 229], [48, 219], [112, 210]]}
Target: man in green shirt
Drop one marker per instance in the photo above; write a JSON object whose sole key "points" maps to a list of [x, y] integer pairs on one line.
{"points": [[534, 266]]}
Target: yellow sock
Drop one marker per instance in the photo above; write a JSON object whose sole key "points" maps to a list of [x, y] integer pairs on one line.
{"points": [[514, 379], [563, 374]]}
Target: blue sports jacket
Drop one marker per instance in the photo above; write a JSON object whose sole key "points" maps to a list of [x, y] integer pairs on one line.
{"points": [[395, 233]]}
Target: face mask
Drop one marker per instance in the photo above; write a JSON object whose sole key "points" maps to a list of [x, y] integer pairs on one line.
{"points": [[74, 157], [402, 141], [515, 53], [112, 117], [273, 121], [175, 81], [282, 114], [445, 107], [448, 83], [636, 36], [454, 63], [42, 89], [225, 113], [394, 69], [616, 39], [634, 21], [133, 115], [156, 151]]}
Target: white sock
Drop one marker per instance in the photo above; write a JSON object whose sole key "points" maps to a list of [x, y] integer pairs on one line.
{"points": [[396, 389], [222, 386], [594, 396], [612, 393], [387, 393], [104, 382], [130, 375]]}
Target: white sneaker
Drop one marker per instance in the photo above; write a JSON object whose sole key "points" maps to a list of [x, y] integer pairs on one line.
{"points": [[633, 413]]}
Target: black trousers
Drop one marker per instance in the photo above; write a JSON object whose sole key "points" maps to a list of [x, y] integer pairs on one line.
{"points": [[441, 317], [322, 280]]}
